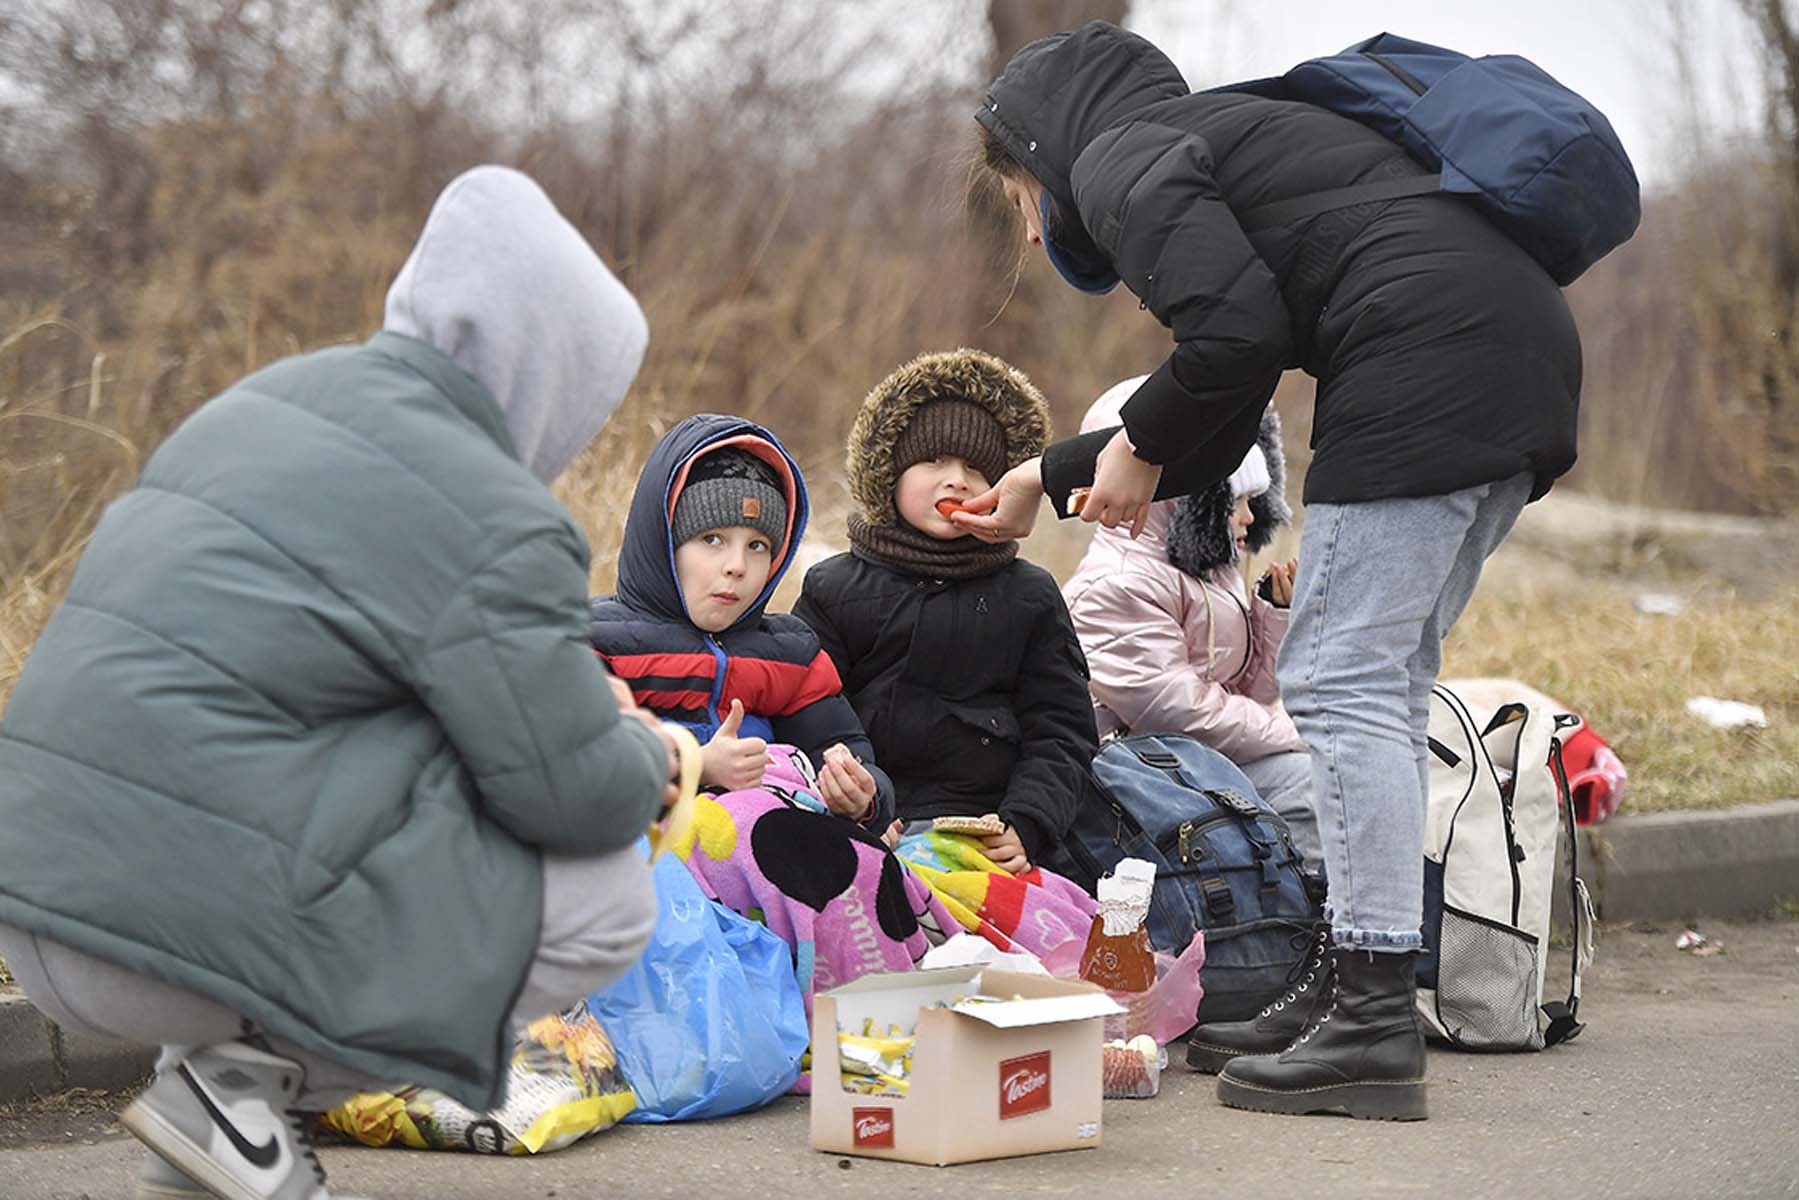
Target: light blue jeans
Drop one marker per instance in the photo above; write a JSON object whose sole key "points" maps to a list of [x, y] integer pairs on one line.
{"points": [[1380, 585]]}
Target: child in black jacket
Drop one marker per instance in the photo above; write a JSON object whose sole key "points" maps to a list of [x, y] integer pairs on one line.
{"points": [[958, 656]]}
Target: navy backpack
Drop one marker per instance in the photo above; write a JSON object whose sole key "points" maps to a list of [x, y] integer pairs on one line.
{"points": [[1224, 861], [1538, 160]]}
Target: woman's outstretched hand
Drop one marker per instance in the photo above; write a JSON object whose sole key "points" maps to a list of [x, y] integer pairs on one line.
{"points": [[1124, 486], [1008, 510]]}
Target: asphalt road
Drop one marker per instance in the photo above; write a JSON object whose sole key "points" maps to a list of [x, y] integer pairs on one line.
{"points": [[1685, 1084]]}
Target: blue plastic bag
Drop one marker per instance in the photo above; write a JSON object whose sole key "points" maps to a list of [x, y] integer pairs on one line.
{"points": [[711, 1020]]}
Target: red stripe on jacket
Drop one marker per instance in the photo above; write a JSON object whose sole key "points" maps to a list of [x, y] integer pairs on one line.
{"points": [[758, 682], [636, 666], [665, 669], [767, 688]]}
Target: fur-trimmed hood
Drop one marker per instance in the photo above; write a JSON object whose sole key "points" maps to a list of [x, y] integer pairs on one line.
{"points": [[1193, 532], [970, 375], [1199, 536]]}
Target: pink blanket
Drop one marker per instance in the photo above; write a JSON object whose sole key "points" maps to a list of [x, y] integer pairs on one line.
{"points": [[823, 884]]}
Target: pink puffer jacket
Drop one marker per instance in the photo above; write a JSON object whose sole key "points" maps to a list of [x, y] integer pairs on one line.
{"points": [[1148, 629]]}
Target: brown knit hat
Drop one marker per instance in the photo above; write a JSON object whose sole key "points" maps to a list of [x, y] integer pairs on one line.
{"points": [[955, 427]]}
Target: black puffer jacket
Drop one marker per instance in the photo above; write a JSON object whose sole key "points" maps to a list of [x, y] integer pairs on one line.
{"points": [[973, 691], [1446, 357]]}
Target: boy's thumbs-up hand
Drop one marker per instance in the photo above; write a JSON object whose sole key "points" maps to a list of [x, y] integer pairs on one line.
{"points": [[733, 721], [731, 763]]}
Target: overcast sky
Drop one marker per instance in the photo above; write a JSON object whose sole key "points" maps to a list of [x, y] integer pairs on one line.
{"points": [[1616, 53]]}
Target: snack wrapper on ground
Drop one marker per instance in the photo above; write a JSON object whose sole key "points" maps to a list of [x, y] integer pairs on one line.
{"points": [[563, 1085], [1167, 1009]]}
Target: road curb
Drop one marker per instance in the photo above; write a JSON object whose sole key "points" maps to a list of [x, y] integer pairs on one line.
{"points": [[1677, 866], [39, 1058]]}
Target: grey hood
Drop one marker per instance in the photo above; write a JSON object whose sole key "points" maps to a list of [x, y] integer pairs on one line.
{"points": [[500, 282]]}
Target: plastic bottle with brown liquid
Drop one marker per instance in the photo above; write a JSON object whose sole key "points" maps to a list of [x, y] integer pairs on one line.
{"points": [[1118, 962]]}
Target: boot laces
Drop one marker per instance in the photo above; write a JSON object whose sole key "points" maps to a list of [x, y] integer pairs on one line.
{"points": [[1299, 984], [1322, 1020]]}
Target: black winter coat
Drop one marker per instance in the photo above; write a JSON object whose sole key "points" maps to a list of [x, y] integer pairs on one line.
{"points": [[1445, 355], [973, 691]]}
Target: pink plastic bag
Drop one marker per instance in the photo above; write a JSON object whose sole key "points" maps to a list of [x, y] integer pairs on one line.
{"points": [[1166, 1011]]}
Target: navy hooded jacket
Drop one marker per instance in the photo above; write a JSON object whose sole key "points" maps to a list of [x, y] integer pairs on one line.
{"points": [[773, 663]]}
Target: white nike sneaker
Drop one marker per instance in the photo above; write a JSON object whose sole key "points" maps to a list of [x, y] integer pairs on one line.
{"points": [[224, 1119]]}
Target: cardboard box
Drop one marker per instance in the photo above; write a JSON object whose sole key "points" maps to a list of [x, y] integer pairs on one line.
{"points": [[988, 1080]]}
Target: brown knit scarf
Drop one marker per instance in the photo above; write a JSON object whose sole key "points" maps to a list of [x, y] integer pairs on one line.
{"points": [[917, 553]]}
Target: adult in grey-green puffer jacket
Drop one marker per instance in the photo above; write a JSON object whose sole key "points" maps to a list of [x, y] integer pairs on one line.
{"points": [[319, 704]]}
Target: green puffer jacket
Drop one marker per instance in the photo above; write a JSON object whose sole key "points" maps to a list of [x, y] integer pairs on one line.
{"points": [[319, 697]]}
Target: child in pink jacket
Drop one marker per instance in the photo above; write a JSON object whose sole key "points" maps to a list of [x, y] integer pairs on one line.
{"points": [[1174, 640]]}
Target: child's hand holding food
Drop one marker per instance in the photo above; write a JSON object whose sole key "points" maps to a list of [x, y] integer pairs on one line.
{"points": [[845, 785]]}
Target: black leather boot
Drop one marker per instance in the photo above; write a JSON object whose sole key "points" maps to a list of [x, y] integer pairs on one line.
{"points": [[1362, 1054], [1274, 1028]]}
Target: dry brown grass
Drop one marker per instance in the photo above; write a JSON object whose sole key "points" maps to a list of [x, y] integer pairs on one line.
{"points": [[1580, 639], [1689, 377]]}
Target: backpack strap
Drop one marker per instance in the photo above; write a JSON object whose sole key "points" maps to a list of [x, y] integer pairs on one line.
{"points": [[1449, 757], [1504, 715], [1299, 208], [1563, 1023], [1248, 815], [1218, 899]]}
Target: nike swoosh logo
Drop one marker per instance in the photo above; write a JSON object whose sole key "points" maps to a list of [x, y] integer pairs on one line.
{"points": [[263, 1156]]}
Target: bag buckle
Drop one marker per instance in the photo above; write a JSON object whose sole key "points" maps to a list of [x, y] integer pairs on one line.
{"points": [[1217, 895], [1236, 803]]}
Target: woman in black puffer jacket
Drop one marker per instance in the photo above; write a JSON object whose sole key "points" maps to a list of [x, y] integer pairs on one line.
{"points": [[1448, 372]]}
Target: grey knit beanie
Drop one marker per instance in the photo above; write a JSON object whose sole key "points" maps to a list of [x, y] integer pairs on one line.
{"points": [[958, 427], [730, 487]]}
